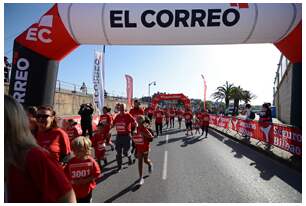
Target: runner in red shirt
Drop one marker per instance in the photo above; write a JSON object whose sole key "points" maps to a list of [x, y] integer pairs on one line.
{"points": [[179, 114], [82, 170], [197, 125], [107, 120], [205, 122], [149, 112], [188, 121], [122, 123], [158, 114], [50, 136], [167, 117], [31, 175], [71, 130], [98, 143], [172, 116], [142, 140], [135, 111]]}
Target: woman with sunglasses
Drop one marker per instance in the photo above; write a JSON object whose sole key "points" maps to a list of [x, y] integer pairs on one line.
{"points": [[30, 174], [50, 136]]}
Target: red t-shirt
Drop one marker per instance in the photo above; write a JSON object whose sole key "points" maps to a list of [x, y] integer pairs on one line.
{"points": [[199, 115], [179, 114], [123, 123], [166, 113], [149, 111], [98, 143], [135, 112], [142, 143], [78, 169], [107, 120], [72, 133], [158, 116], [205, 119], [42, 181], [172, 113], [56, 141], [188, 116]]}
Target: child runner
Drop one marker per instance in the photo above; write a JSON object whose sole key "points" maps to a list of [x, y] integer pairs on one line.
{"points": [[142, 140], [107, 119], [197, 125], [188, 121], [71, 130], [82, 170], [98, 143]]}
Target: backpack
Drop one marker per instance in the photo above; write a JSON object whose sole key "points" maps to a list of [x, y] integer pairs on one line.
{"points": [[252, 115]]}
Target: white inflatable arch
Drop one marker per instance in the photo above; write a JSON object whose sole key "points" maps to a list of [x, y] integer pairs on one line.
{"points": [[38, 50]]}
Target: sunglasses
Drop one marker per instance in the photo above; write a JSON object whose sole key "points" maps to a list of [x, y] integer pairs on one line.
{"points": [[42, 116]]}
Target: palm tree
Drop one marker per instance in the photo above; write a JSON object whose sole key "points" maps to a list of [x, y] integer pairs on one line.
{"points": [[236, 95], [247, 96], [224, 92]]}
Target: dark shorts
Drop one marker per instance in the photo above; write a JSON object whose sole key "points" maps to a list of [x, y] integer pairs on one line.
{"points": [[188, 125], [123, 144]]}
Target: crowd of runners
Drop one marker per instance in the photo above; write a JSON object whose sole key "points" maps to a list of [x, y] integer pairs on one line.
{"points": [[56, 164]]}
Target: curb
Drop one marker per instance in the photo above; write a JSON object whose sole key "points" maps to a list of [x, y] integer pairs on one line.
{"points": [[294, 162]]}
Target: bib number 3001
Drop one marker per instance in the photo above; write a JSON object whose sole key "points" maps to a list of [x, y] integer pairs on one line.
{"points": [[80, 173]]}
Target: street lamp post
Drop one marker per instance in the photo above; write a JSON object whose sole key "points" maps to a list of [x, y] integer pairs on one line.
{"points": [[154, 83]]}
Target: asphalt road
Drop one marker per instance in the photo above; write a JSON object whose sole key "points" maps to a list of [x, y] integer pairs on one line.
{"points": [[197, 169]]}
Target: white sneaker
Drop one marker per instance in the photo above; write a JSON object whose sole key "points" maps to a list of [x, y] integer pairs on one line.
{"points": [[141, 181]]}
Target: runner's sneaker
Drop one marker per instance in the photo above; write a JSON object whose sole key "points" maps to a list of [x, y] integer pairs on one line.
{"points": [[141, 181], [150, 168]]}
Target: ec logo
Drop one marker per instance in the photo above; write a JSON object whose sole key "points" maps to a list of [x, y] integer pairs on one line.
{"points": [[42, 34]]}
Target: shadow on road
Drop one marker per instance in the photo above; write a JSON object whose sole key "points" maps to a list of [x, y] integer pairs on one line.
{"points": [[191, 140], [171, 131], [267, 170], [170, 140], [105, 176], [133, 187]]}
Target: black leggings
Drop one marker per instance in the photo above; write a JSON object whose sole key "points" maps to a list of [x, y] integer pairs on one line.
{"points": [[159, 128], [204, 128]]}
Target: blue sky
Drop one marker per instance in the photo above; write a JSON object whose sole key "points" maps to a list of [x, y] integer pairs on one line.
{"points": [[176, 69]]}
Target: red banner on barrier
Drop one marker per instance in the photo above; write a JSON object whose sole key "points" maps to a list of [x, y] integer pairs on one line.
{"points": [[282, 136]]}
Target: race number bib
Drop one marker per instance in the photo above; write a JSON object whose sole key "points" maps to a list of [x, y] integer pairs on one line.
{"points": [[80, 170], [120, 127], [138, 139], [104, 121]]}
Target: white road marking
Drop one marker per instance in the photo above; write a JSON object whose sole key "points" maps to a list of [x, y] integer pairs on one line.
{"points": [[165, 165]]}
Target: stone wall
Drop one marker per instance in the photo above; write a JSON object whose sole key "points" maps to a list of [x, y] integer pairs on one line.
{"points": [[68, 103]]}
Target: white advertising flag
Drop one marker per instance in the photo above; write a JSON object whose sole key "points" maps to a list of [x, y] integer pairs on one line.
{"points": [[98, 81]]}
